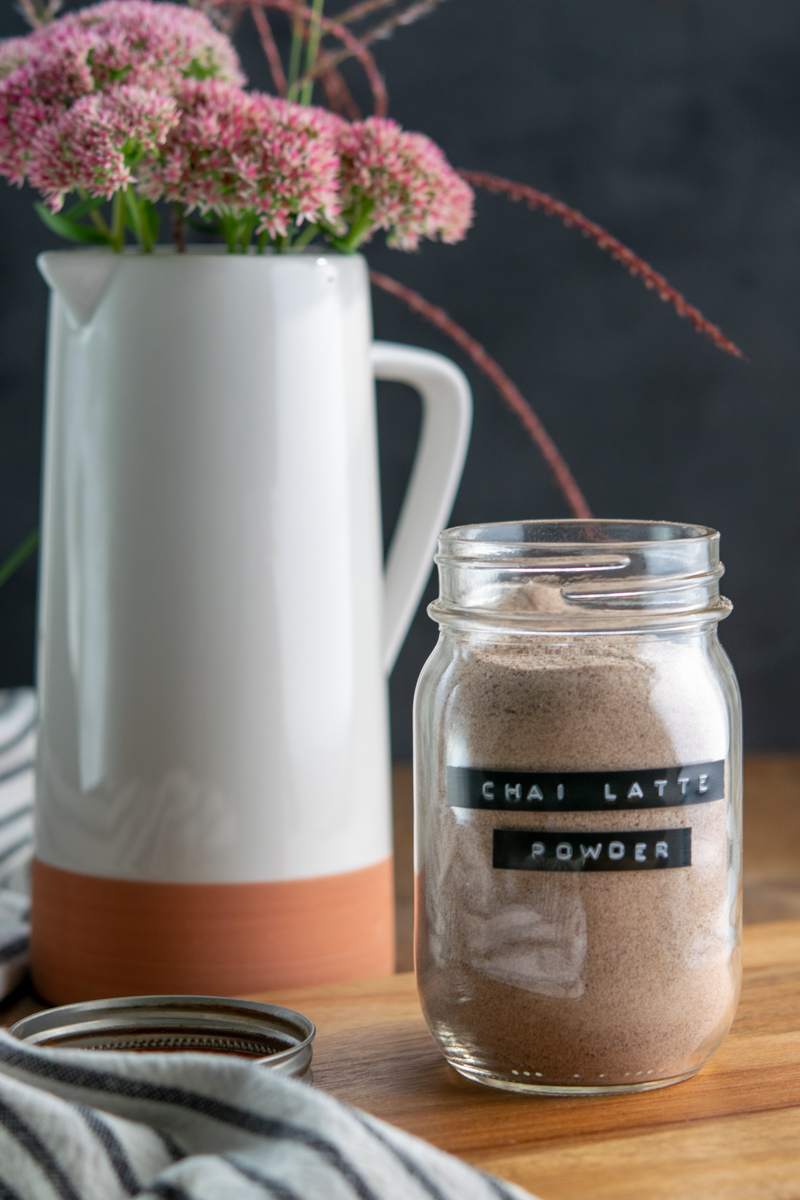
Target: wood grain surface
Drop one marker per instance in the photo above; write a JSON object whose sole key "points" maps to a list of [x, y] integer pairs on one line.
{"points": [[771, 837], [731, 1133]]}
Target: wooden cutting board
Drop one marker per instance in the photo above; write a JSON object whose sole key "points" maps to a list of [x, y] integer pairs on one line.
{"points": [[732, 1132]]}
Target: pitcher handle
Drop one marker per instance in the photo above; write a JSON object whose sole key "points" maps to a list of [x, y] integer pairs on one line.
{"points": [[439, 461]]}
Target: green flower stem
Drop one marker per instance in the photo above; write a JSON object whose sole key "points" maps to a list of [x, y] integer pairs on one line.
{"points": [[308, 235], [228, 229], [358, 231], [19, 555], [312, 49], [95, 215], [117, 237], [98, 222], [238, 231], [142, 218], [246, 227], [149, 221], [135, 215]]}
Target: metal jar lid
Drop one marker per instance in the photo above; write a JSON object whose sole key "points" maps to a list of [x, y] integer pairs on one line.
{"points": [[273, 1037]]}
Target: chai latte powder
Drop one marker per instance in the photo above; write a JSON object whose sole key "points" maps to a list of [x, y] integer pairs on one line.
{"points": [[580, 979]]}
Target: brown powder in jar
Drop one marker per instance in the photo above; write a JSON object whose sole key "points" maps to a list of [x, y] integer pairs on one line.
{"points": [[569, 978]]}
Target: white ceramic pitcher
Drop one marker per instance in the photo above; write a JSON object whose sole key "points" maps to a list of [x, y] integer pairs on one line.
{"points": [[213, 809]]}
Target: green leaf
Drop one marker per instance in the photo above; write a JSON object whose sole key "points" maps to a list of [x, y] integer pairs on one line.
{"points": [[90, 205], [61, 225]]}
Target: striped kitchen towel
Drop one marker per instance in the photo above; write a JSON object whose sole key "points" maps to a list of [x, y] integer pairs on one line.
{"points": [[17, 750], [100, 1125]]}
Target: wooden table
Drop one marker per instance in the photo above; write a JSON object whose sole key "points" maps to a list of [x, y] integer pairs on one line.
{"points": [[731, 1133]]}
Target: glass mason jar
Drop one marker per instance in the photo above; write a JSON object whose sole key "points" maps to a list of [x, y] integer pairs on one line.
{"points": [[578, 806]]}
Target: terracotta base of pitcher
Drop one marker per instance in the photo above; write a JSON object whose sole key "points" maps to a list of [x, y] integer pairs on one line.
{"points": [[97, 937]]}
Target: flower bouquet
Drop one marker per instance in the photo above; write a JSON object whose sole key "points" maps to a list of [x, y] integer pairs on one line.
{"points": [[127, 103]]}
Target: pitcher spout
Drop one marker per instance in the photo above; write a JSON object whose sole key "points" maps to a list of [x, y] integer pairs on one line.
{"points": [[80, 279]]}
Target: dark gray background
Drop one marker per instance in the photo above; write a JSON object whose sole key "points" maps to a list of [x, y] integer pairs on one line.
{"points": [[675, 123]]}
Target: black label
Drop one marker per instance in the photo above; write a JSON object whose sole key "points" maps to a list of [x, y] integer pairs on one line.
{"points": [[632, 850], [585, 791]]}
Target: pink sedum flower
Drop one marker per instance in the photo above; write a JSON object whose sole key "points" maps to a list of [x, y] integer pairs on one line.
{"points": [[13, 53], [153, 45], [413, 191], [235, 152], [132, 42], [38, 91], [94, 144], [134, 92]]}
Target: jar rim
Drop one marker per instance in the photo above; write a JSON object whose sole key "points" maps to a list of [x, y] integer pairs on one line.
{"points": [[583, 533], [578, 573]]}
